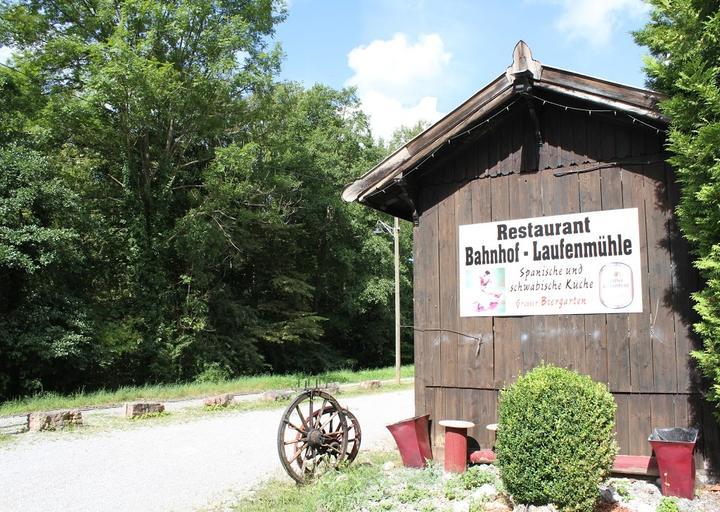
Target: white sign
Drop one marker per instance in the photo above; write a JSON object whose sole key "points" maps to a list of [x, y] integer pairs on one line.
{"points": [[560, 265]]}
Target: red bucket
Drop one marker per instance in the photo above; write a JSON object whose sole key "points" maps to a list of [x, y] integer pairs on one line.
{"points": [[674, 453], [413, 440]]}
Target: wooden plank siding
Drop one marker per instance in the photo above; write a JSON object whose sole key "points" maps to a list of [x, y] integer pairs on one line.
{"points": [[462, 363]]}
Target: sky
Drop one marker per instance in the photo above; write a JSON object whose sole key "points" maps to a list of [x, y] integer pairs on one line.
{"points": [[414, 60]]}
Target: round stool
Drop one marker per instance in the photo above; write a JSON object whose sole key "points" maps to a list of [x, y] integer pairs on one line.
{"points": [[456, 444]]}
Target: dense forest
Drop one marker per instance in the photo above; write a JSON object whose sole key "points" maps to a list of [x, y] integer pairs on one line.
{"points": [[170, 210]]}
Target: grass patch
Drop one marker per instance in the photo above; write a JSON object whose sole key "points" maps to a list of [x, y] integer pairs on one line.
{"points": [[164, 392], [622, 488], [7, 439], [366, 485], [336, 492]]}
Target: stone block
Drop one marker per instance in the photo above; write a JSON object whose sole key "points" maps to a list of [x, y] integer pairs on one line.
{"points": [[53, 420], [277, 395], [371, 384], [331, 387], [139, 409], [219, 400]]}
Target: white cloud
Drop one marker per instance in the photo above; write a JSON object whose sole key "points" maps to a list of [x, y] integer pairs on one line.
{"points": [[597, 20], [394, 79], [388, 113], [5, 54]]}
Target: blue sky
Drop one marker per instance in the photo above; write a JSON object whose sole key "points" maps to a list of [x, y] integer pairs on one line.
{"points": [[413, 59], [419, 59]]}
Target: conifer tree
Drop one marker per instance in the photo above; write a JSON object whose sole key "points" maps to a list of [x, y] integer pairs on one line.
{"points": [[684, 41]]}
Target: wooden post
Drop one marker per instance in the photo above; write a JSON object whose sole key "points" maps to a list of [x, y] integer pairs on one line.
{"points": [[396, 237]]}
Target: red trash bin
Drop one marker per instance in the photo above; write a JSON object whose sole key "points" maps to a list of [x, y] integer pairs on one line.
{"points": [[413, 440], [674, 453]]}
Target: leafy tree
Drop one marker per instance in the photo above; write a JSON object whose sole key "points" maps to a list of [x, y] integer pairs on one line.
{"points": [[136, 96], [43, 324], [204, 233], [684, 39], [319, 140]]}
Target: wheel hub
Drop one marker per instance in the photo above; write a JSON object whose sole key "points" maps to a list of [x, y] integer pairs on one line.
{"points": [[315, 438]]}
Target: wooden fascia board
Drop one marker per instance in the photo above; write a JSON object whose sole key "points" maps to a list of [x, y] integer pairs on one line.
{"points": [[604, 101], [469, 108], [385, 171], [382, 171], [428, 149], [632, 99]]}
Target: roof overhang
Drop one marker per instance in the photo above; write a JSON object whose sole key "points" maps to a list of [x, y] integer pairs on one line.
{"points": [[523, 71]]}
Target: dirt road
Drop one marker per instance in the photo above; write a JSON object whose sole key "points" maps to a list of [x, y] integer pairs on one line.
{"points": [[173, 466]]}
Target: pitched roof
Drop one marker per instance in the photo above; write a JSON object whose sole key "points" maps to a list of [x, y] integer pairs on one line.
{"points": [[524, 73]]}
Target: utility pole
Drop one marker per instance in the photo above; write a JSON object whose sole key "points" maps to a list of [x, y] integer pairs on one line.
{"points": [[381, 227], [396, 236]]}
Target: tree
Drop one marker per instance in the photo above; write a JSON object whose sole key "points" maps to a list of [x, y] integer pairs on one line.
{"points": [[204, 205], [44, 328], [684, 39], [135, 98]]}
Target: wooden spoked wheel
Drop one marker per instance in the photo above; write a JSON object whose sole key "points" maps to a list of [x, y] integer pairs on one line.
{"points": [[354, 436], [313, 436]]}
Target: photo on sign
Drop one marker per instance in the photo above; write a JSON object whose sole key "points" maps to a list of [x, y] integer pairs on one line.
{"points": [[486, 287]]}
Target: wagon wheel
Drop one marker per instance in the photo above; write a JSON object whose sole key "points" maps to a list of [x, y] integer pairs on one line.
{"points": [[313, 436], [354, 436]]}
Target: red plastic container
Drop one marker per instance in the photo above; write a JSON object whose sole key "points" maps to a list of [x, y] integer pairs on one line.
{"points": [[456, 452], [674, 453], [413, 440]]}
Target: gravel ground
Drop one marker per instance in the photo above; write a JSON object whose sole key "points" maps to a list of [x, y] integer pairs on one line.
{"points": [[175, 466]]}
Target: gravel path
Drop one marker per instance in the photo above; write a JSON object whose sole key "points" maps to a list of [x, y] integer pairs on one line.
{"points": [[166, 467]]}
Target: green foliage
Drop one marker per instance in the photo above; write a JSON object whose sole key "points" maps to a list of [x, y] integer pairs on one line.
{"points": [[668, 505], [683, 37], [176, 214], [556, 441], [473, 477], [412, 494], [159, 392], [213, 373], [43, 325], [622, 488]]}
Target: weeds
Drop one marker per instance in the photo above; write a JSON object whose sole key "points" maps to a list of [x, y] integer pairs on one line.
{"points": [[622, 489], [412, 494], [474, 477], [334, 492], [164, 392], [668, 505], [151, 416], [365, 485]]}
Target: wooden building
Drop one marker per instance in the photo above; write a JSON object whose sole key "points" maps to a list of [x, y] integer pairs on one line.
{"points": [[542, 141]]}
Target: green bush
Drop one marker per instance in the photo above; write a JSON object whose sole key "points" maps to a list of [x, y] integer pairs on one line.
{"points": [[555, 443]]}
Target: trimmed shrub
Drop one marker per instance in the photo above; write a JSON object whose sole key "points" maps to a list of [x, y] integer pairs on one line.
{"points": [[555, 442]]}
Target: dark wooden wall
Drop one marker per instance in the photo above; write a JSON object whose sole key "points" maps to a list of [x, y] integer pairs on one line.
{"points": [[462, 363]]}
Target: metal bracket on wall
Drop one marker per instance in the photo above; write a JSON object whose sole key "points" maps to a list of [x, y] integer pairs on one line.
{"points": [[405, 196]]}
